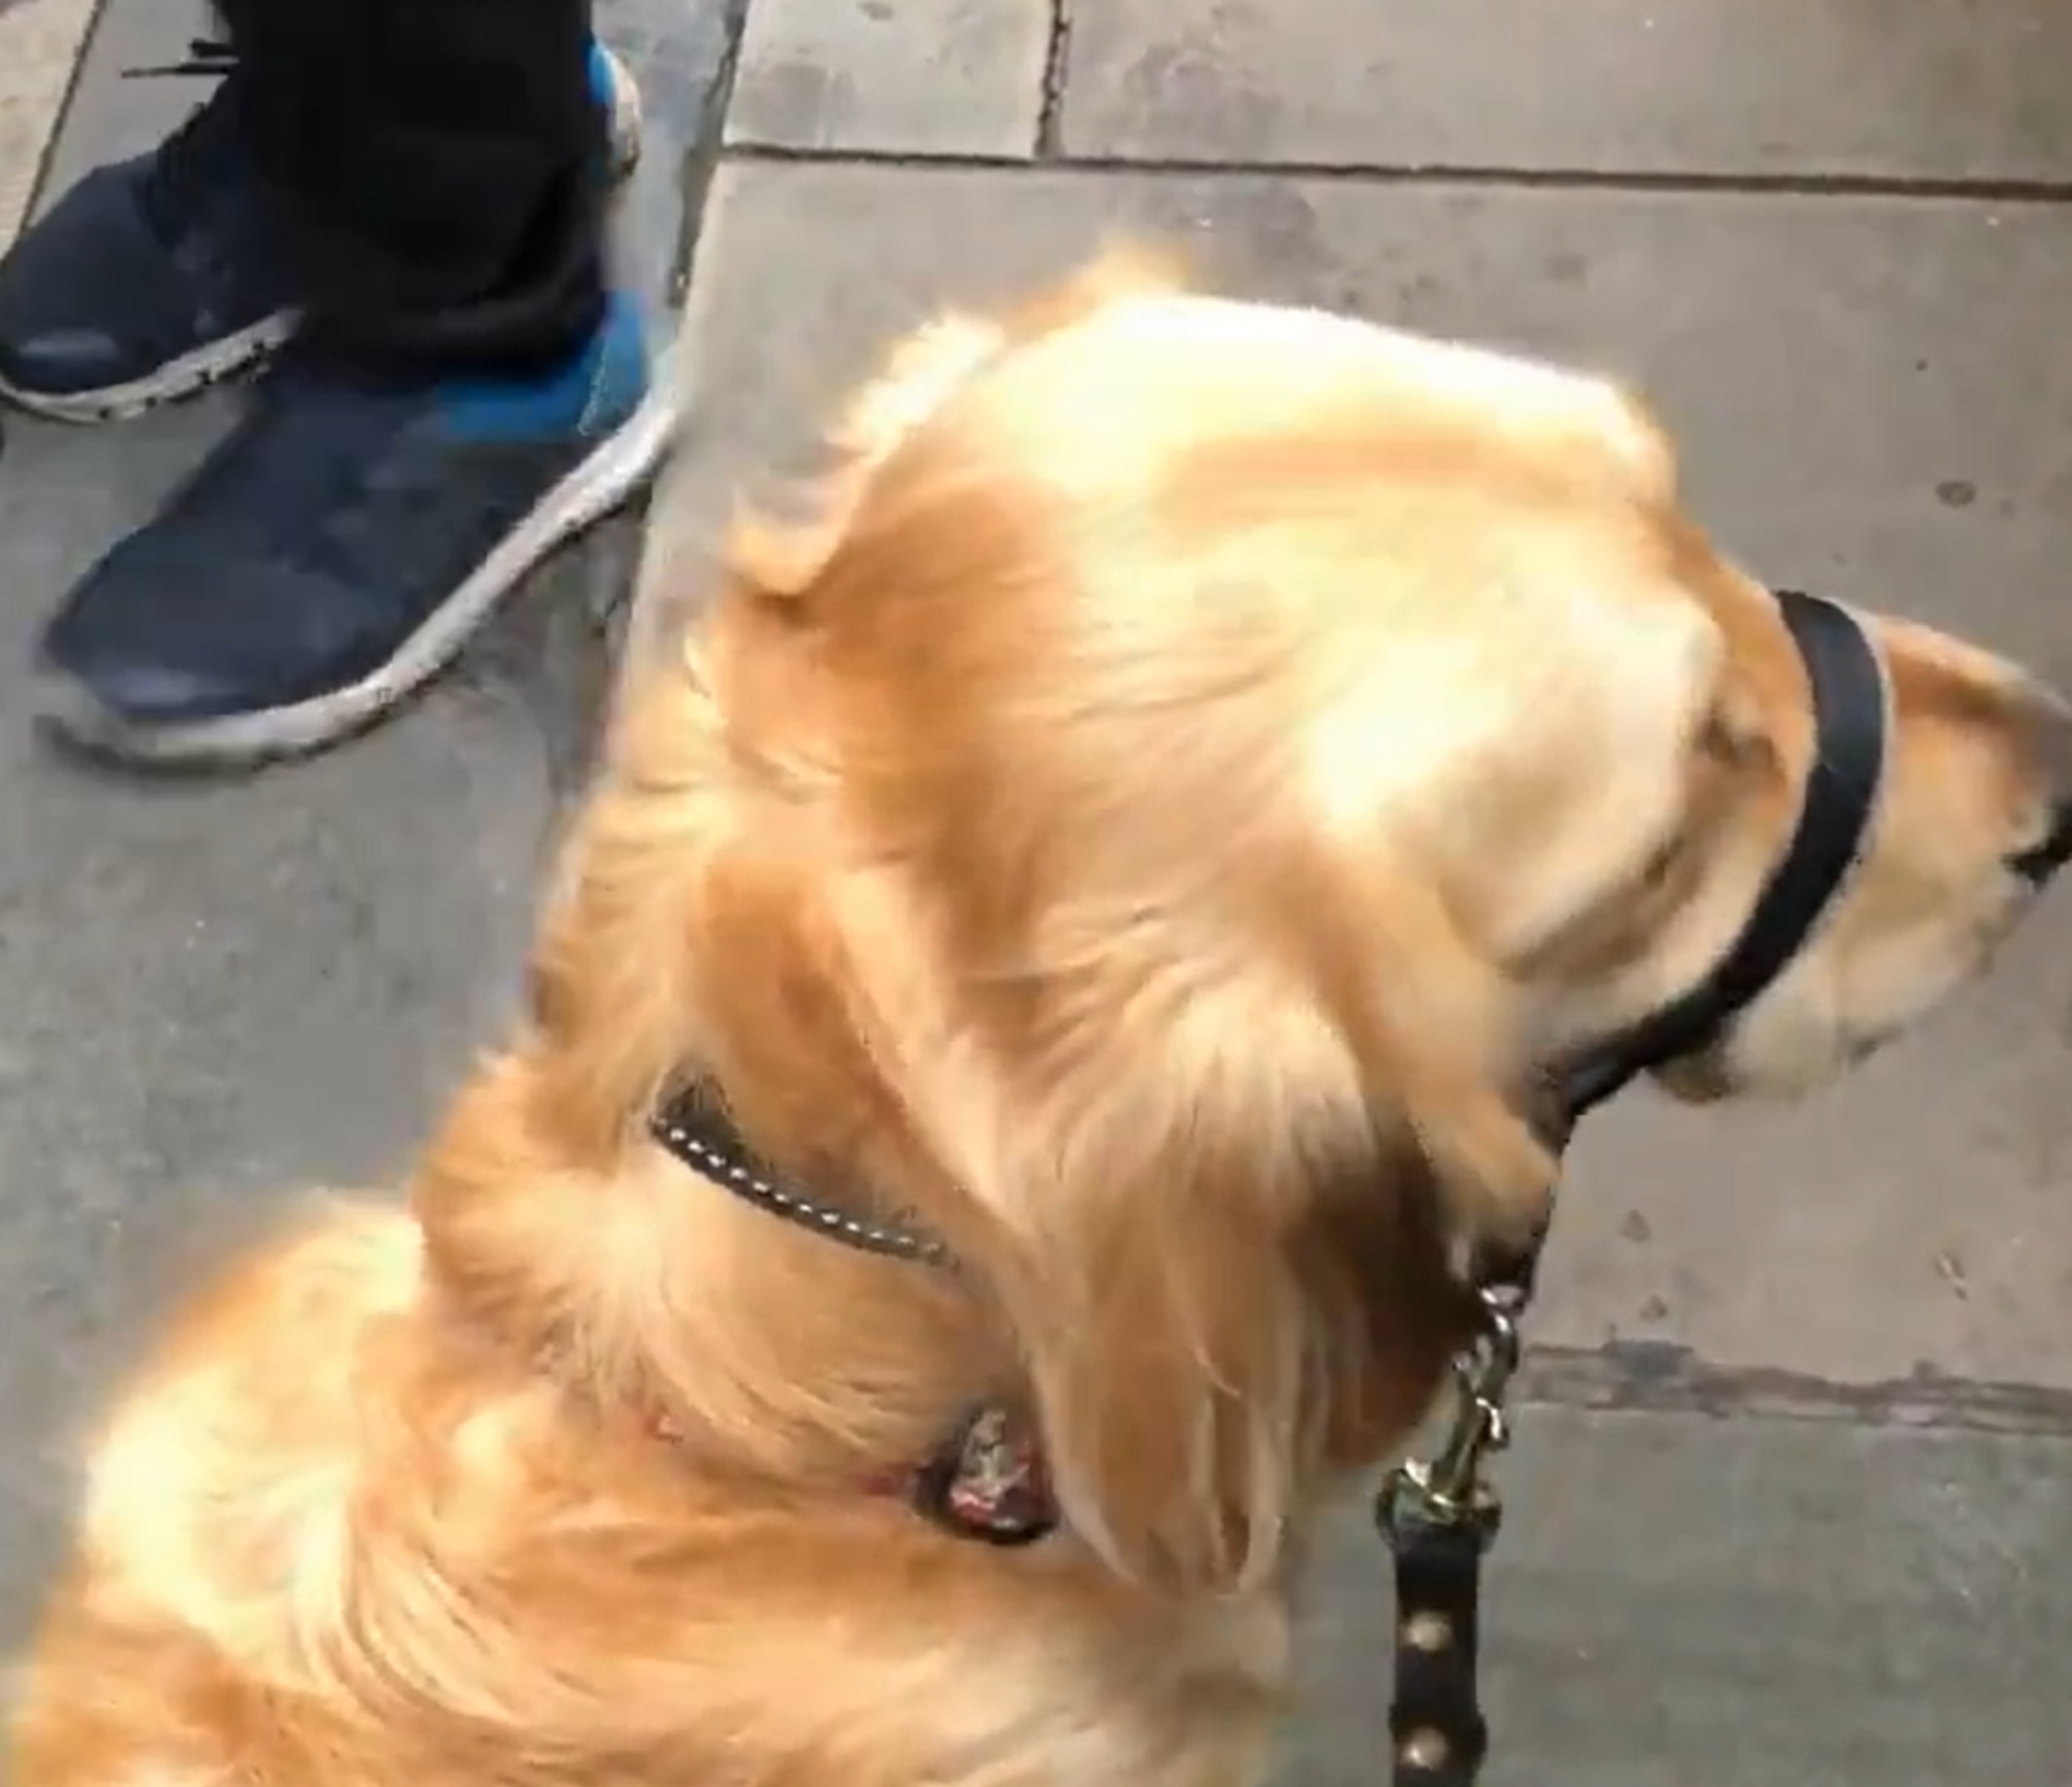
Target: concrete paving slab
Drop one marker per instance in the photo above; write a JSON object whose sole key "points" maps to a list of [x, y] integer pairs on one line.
{"points": [[40, 42], [216, 992], [1947, 91], [1682, 1603], [893, 76], [1872, 399], [115, 110]]}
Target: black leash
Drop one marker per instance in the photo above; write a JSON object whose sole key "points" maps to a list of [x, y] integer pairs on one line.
{"points": [[1441, 1516]]}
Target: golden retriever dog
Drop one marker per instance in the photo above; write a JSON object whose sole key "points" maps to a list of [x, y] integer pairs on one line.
{"points": [[1149, 830]]}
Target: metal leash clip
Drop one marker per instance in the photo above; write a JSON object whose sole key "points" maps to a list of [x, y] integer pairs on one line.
{"points": [[1453, 1485]]}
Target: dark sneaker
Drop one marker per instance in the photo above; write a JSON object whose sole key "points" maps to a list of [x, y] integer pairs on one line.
{"points": [[341, 546], [151, 277]]}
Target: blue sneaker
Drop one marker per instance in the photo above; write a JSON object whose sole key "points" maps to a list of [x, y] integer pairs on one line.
{"points": [[151, 277], [339, 548]]}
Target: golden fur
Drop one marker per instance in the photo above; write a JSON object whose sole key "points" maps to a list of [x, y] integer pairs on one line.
{"points": [[1151, 822]]}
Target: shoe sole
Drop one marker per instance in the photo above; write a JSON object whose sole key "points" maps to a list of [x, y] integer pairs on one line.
{"points": [[612, 475], [195, 371], [215, 362]]}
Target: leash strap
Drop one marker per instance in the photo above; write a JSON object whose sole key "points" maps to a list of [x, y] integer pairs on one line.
{"points": [[1440, 1517], [1436, 1719]]}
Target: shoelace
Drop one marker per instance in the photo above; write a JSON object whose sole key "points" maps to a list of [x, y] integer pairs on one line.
{"points": [[184, 162], [205, 56]]}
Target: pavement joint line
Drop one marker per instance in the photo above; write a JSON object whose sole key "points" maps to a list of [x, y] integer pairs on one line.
{"points": [[708, 149], [1050, 117], [1662, 1378], [1801, 186]]}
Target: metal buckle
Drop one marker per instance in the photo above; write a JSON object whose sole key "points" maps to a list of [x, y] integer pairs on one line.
{"points": [[1451, 1487]]}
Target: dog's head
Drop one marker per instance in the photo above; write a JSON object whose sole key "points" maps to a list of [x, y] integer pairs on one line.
{"points": [[1207, 765]]}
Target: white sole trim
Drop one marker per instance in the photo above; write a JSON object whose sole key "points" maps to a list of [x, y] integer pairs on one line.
{"points": [[180, 377]]}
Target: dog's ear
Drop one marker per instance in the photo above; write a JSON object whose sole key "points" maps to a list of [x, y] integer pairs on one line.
{"points": [[1152, 1203], [1226, 1219], [1231, 1212]]}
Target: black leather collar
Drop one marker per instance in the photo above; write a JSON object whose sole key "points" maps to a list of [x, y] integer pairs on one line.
{"points": [[1851, 720]]}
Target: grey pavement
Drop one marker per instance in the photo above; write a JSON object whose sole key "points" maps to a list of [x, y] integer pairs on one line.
{"points": [[216, 992], [1793, 1498]]}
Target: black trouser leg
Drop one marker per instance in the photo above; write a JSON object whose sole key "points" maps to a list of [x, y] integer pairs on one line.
{"points": [[438, 167]]}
